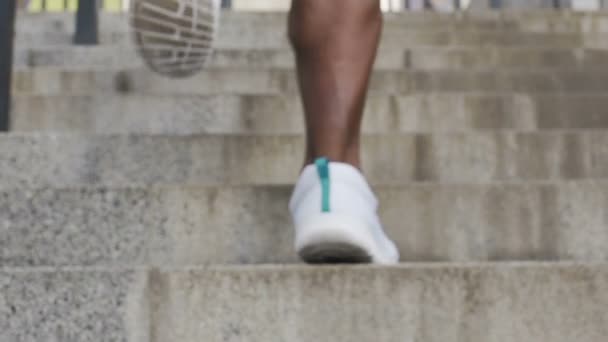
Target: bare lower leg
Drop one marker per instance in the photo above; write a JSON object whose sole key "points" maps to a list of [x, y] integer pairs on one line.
{"points": [[335, 43]]}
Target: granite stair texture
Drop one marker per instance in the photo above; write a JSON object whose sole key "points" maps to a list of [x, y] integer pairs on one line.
{"points": [[202, 225], [389, 58], [282, 114], [136, 208], [431, 303], [209, 159], [56, 81]]}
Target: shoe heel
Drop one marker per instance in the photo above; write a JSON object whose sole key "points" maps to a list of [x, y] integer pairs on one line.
{"points": [[333, 239]]}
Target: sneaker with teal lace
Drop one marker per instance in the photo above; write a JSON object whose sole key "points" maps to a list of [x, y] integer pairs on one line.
{"points": [[335, 215]]}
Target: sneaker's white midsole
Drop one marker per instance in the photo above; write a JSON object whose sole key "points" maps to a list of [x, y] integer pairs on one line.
{"points": [[331, 228]]}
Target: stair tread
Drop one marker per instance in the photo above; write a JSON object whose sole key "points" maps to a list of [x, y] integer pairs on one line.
{"points": [[556, 303], [201, 225]]}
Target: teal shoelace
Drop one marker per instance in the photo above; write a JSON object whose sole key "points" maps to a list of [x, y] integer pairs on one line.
{"points": [[323, 170]]}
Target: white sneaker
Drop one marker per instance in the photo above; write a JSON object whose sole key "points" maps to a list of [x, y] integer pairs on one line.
{"points": [[334, 213]]}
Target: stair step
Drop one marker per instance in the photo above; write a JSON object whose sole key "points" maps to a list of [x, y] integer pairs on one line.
{"points": [[120, 57], [274, 38], [268, 30], [477, 303], [275, 81], [275, 114], [548, 21], [180, 225], [36, 159], [502, 58]]}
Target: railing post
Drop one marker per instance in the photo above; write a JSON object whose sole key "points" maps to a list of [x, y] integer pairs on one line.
{"points": [[495, 4], [7, 33], [415, 5], [87, 28]]}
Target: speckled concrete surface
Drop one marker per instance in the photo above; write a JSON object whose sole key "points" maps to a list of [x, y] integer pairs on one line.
{"points": [[504, 58], [434, 304], [530, 21], [473, 157], [56, 28], [274, 36], [73, 306], [431, 303], [242, 225], [124, 57], [51, 81], [225, 114]]}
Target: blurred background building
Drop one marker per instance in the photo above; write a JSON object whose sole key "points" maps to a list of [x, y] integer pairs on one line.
{"points": [[257, 5]]}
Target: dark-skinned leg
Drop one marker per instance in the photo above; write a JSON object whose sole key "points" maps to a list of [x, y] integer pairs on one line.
{"points": [[333, 208], [335, 43]]}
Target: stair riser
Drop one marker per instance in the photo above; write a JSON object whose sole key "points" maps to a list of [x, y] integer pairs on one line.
{"points": [[119, 57], [391, 159], [548, 21], [179, 226], [274, 38], [474, 304], [283, 114], [100, 58], [230, 81]]}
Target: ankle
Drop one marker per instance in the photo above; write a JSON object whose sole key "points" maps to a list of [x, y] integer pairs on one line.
{"points": [[352, 160]]}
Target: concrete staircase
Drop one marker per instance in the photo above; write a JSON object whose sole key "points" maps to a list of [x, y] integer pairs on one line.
{"points": [[140, 209]]}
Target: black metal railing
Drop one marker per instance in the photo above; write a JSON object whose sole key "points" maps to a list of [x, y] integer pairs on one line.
{"points": [[7, 29], [87, 23]]}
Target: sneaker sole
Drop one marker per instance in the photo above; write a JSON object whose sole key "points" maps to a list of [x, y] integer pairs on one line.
{"points": [[336, 239], [171, 42], [335, 253]]}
